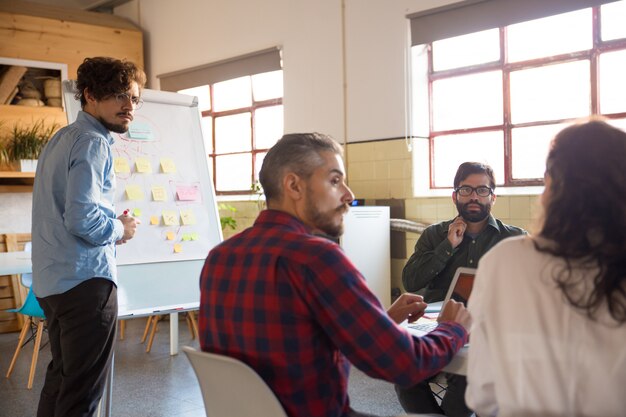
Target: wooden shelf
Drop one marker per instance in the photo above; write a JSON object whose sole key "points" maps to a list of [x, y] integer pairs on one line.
{"points": [[16, 174]]}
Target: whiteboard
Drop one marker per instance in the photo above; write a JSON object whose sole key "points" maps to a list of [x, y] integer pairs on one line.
{"points": [[162, 178]]}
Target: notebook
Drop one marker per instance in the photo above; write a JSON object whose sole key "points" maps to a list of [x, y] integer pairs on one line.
{"points": [[459, 290]]}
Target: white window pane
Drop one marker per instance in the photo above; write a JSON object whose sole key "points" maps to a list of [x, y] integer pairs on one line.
{"points": [[530, 147], [554, 35], [207, 133], [613, 82], [618, 123], [268, 126], [234, 172], [613, 16], [233, 133], [552, 92], [204, 96], [267, 85], [258, 163], [466, 50], [468, 101], [232, 94], [452, 150]]}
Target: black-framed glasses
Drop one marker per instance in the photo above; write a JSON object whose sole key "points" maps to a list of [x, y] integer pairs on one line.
{"points": [[123, 98], [481, 191]]}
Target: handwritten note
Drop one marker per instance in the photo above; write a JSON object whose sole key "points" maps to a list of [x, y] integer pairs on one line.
{"points": [[170, 218], [133, 192], [143, 165], [138, 130], [120, 166], [167, 165], [187, 192], [158, 193], [136, 212], [154, 220], [170, 235], [178, 248], [188, 217]]}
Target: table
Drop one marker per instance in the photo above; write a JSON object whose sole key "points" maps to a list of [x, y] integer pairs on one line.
{"points": [[458, 365], [12, 263]]}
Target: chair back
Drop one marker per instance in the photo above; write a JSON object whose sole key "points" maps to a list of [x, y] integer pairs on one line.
{"points": [[230, 388]]}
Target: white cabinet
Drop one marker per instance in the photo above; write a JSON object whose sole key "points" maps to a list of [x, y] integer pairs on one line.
{"points": [[366, 241]]}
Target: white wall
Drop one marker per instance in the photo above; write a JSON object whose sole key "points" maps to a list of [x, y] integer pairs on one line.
{"points": [[186, 33]]}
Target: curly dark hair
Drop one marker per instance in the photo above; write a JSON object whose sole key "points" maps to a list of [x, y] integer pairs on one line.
{"points": [[585, 215], [104, 76]]}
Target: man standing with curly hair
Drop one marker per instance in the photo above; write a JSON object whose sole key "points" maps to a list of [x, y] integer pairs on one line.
{"points": [[74, 233]]}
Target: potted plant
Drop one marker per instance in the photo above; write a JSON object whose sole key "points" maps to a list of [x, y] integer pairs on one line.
{"points": [[26, 142]]}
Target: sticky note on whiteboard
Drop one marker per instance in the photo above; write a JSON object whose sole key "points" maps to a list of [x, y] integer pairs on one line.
{"points": [[167, 165], [188, 217], [143, 165], [187, 192], [120, 165], [138, 130], [170, 218], [133, 192]]}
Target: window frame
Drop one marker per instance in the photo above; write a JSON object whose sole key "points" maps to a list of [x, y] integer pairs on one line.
{"points": [[593, 55], [256, 105]]}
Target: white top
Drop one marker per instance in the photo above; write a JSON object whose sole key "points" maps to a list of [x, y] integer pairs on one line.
{"points": [[530, 352]]}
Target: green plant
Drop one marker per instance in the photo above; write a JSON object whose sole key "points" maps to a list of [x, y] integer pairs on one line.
{"points": [[26, 142], [257, 189], [227, 221]]}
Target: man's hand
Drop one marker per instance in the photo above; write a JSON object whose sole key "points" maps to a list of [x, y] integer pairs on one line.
{"points": [[455, 312], [456, 231], [130, 227], [407, 306]]}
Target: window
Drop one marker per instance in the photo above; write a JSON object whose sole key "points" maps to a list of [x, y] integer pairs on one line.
{"points": [[241, 103], [498, 95]]}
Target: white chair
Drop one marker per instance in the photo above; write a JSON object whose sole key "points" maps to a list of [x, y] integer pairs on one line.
{"points": [[230, 388]]}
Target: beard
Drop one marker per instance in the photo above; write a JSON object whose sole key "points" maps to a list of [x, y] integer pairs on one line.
{"points": [[323, 220], [117, 128], [473, 216]]}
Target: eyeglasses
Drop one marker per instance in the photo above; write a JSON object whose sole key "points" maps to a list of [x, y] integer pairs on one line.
{"points": [[481, 191], [123, 98]]}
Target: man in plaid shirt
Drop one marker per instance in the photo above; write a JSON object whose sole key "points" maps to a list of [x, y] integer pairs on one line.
{"points": [[288, 302]]}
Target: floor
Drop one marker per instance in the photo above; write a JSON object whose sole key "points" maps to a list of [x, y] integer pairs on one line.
{"points": [[154, 384]]}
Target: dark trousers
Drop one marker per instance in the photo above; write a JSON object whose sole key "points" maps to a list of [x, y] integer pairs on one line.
{"points": [[81, 328], [420, 399]]}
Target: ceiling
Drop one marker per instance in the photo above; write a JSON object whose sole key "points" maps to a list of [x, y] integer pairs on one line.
{"points": [[105, 6]]}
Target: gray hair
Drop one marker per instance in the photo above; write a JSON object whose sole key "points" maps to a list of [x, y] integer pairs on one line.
{"points": [[298, 153]]}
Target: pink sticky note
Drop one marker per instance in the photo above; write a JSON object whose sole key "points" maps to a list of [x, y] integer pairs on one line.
{"points": [[187, 192]]}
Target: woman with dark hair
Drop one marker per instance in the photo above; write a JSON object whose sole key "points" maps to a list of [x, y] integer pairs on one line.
{"points": [[550, 310]]}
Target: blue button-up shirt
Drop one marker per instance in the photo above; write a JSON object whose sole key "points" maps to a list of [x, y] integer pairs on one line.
{"points": [[74, 227]]}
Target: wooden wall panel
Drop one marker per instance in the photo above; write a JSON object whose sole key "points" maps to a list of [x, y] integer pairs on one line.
{"points": [[40, 39]]}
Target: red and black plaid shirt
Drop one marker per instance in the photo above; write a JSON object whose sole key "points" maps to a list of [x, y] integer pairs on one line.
{"points": [[293, 307]]}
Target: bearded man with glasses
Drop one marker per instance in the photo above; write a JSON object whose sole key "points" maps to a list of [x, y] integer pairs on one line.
{"points": [[440, 250]]}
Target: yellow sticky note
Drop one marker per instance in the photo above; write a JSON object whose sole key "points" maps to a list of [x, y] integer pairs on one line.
{"points": [[167, 165], [186, 237], [158, 193], [194, 236], [188, 217], [143, 165], [178, 248], [154, 220], [136, 212], [120, 166], [133, 192], [170, 235], [170, 218]]}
